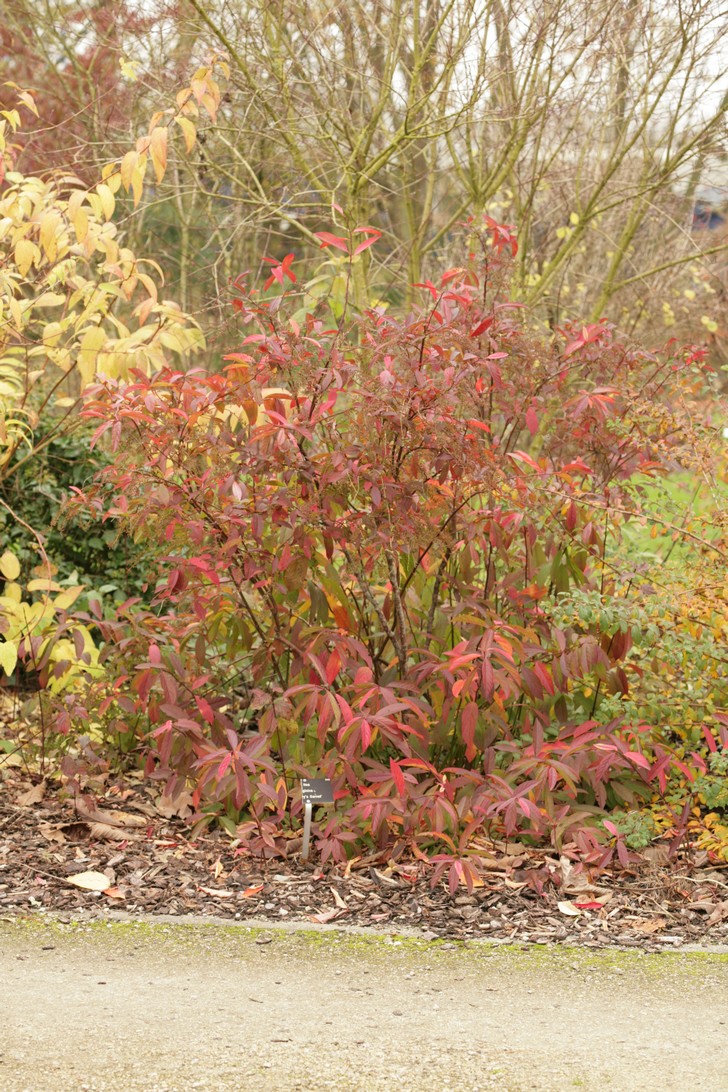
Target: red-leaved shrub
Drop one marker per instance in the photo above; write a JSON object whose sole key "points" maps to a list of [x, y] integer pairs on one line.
{"points": [[363, 535]]}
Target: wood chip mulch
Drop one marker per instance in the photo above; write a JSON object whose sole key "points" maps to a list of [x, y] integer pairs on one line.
{"points": [[154, 867]]}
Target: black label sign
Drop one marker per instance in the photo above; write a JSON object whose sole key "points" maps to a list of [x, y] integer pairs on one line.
{"points": [[317, 789]]}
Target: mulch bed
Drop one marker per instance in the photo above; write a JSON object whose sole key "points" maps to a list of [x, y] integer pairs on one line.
{"points": [[154, 867]]}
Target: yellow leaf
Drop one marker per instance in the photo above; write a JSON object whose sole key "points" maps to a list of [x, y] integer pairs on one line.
{"points": [[91, 342], [128, 69], [13, 591], [67, 598], [9, 566], [13, 118], [44, 585], [158, 151], [80, 224], [107, 200], [27, 99], [189, 132], [137, 181], [8, 657], [47, 233], [128, 165], [16, 313], [199, 83], [75, 201], [25, 252]]}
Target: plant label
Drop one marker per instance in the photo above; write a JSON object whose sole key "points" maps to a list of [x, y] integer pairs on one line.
{"points": [[314, 790], [317, 789]]}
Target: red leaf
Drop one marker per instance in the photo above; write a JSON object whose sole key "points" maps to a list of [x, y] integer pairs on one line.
{"points": [[224, 765], [709, 739], [522, 457], [468, 724], [451, 274], [333, 666], [327, 239], [205, 709], [531, 420], [481, 327], [544, 675], [430, 288], [397, 776], [373, 236]]}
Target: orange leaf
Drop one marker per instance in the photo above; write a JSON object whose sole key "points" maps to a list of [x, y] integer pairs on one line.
{"points": [[249, 892]]}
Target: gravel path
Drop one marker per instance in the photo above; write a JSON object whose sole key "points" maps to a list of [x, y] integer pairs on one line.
{"points": [[145, 1006]]}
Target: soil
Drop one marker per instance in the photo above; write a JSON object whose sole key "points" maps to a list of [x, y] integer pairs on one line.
{"points": [[163, 1008], [152, 865]]}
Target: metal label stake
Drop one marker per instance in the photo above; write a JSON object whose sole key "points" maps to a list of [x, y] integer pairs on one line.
{"points": [[308, 812]]}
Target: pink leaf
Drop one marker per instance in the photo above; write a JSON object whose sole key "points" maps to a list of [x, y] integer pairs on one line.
{"points": [[573, 346], [638, 759], [327, 239]]}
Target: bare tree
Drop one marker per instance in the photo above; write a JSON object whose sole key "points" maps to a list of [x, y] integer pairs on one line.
{"points": [[588, 125]]}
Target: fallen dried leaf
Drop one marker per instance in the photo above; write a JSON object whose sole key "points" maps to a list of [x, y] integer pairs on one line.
{"points": [[52, 833], [573, 882], [382, 878], [181, 805], [326, 916], [719, 914], [107, 833], [90, 881], [569, 909], [110, 818], [218, 893], [32, 796], [338, 899], [249, 892], [651, 925], [114, 893]]}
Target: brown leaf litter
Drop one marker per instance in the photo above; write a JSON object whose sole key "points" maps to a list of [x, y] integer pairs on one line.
{"points": [[143, 861]]}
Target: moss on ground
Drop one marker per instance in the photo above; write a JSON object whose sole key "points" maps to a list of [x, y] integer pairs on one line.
{"points": [[220, 937]]}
